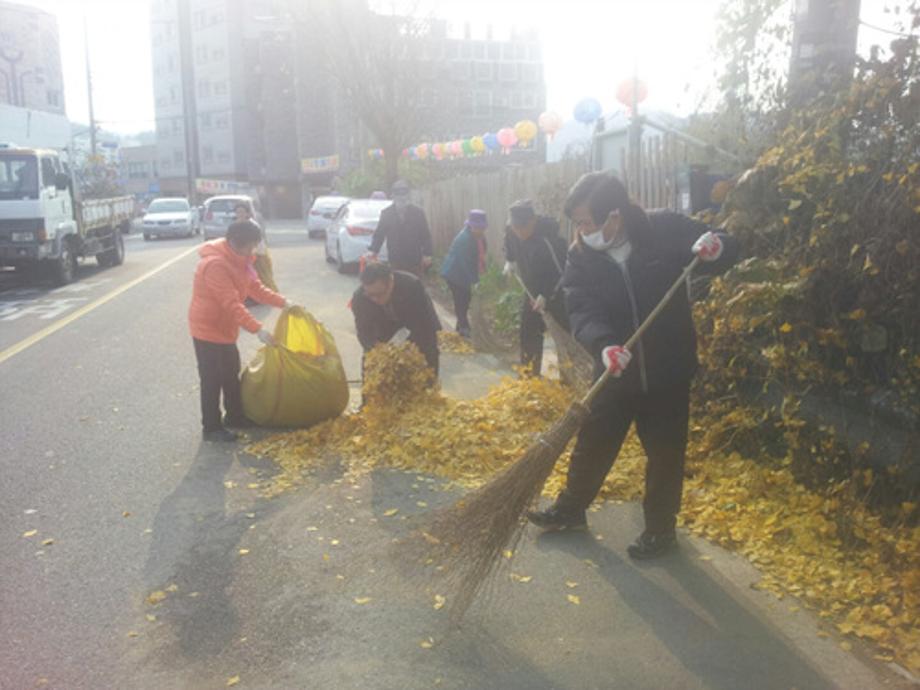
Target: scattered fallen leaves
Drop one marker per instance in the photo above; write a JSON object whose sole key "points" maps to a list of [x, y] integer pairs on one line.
{"points": [[521, 578], [454, 343], [156, 597]]}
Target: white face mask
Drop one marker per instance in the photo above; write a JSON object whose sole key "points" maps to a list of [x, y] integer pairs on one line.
{"points": [[596, 240]]}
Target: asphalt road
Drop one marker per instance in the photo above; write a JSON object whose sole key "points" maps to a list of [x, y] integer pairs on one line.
{"points": [[101, 457]]}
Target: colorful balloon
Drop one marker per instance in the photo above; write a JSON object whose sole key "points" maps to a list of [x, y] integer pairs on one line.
{"points": [[550, 123], [507, 139], [525, 131], [588, 110], [421, 151], [456, 148], [491, 141], [479, 146], [468, 147], [625, 91]]}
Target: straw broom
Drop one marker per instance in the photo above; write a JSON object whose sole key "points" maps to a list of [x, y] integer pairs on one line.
{"points": [[463, 545]]}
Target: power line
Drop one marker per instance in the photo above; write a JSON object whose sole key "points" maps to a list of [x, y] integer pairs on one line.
{"points": [[888, 31]]}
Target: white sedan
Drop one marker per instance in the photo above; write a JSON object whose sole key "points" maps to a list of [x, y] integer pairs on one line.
{"points": [[169, 218], [348, 237]]}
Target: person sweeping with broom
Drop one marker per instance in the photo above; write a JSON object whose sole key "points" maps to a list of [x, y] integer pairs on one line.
{"points": [[621, 266]]}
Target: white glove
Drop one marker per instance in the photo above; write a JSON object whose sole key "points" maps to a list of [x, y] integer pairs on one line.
{"points": [[509, 268], [615, 358], [708, 247], [539, 304], [400, 336], [266, 337]]}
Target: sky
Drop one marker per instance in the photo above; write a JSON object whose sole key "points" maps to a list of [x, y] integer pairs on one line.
{"points": [[589, 47]]}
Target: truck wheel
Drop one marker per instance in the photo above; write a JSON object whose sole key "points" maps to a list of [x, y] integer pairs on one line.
{"points": [[64, 268], [114, 256]]}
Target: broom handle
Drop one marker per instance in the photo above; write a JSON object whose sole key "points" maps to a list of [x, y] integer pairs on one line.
{"points": [[634, 338]]}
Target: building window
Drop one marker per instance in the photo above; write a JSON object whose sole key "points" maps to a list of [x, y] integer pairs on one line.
{"points": [[173, 94], [484, 71], [529, 73], [217, 18], [530, 100], [520, 51], [165, 164], [507, 71], [516, 100], [172, 63], [199, 19], [466, 50], [223, 156], [205, 121], [483, 104], [204, 88], [500, 99], [201, 54], [176, 125], [450, 51], [507, 51], [460, 70], [207, 154], [479, 50], [220, 88], [222, 121], [218, 54], [533, 52], [495, 51], [137, 170], [178, 157], [465, 103]]}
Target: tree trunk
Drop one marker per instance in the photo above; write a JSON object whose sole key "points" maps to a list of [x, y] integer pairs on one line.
{"points": [[391, 155]]}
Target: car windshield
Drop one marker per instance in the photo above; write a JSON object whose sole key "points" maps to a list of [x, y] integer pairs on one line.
{"points": [[168, 206], [225, 205], [18, 177], [367, 210], [330, 203]]}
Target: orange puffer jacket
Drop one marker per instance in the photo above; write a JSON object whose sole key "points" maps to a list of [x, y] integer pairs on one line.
{"points": [[223, 281]]}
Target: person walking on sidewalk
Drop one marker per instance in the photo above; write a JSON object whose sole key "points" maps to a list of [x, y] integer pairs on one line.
{"points": [[620, 267], [223, 281], [393, 306], [464, 263], [404, 228], [536, 252]]}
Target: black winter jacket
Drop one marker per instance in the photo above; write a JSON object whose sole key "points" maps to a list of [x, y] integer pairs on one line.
{"points": [[409, 307], [540, 259], [408, 239], [606, 304]]}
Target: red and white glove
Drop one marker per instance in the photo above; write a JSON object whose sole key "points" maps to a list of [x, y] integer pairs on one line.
{"points": [[708, 247], [616, 358]]}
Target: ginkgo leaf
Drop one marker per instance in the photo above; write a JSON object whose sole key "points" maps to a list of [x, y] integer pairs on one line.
{"points": [[47, 542], [507, 553], [362, 600], [30, 533], [573, 598], [439, 602], [133, 634], [521, 578], [150, 618], [391, 512], [243, 552], [570, 584], [233, 680], [156, 597], [426, 644], [172, 588]]}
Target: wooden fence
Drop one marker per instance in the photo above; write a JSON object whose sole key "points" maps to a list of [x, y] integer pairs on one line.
{"points": [[447, 203]]}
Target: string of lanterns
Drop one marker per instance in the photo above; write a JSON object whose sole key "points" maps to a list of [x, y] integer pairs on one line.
{"points": [[587, 111]]}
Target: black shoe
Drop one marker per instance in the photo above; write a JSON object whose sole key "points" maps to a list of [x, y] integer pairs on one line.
{"points": [[219, 436], [555, 519], [241, 422], [652, 545], [464, 333]]}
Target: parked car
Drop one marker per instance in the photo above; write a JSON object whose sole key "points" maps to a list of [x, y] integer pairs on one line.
{"points": [[169, 217], [349, 235], [322, 213], [219, 213]]}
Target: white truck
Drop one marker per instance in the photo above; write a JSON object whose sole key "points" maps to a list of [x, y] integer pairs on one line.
{"points": [[44, 226]]}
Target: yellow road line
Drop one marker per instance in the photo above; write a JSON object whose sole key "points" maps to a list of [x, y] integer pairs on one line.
{"points": [[87, 308]]}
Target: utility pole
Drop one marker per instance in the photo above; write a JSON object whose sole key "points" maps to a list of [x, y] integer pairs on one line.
{"points": [[189, 102], [89, 92], [823, 45]]}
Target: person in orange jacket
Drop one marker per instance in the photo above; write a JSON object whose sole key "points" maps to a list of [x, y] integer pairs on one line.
{"points": [[223, 281]]}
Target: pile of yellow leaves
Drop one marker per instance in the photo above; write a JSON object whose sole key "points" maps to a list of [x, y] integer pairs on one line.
{"points": [[449, 341], [792, 534]]}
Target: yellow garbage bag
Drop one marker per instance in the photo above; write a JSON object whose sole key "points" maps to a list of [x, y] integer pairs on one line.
{"points": [[300, 380]]}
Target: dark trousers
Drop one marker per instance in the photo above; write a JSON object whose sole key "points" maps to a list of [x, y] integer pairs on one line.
{"points": [[462, 297], [661, 419], [218, 370], [532, 330]]}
